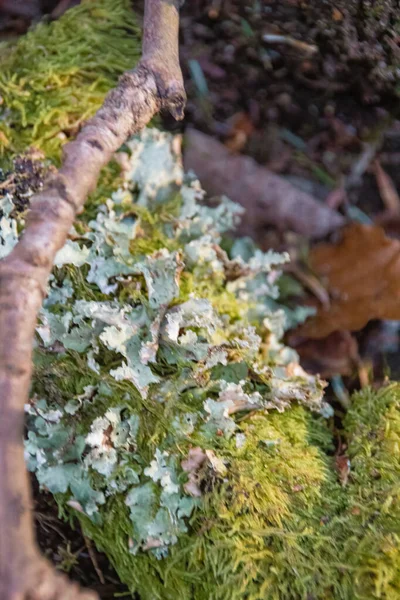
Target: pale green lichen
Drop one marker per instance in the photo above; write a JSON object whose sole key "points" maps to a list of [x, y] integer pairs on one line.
{"points": [[8, 226]]}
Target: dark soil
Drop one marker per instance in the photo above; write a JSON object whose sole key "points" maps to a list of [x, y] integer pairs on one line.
{"points": [[65, 545], [303, 112]]}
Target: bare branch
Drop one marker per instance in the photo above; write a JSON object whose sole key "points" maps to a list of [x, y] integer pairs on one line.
{"points": [[268, 198], [155, 84]]}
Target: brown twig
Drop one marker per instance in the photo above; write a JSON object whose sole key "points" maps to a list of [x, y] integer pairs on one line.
{"points": [[287, 40], [269, 199], [310, 282], [155, 84], [60, 8]]}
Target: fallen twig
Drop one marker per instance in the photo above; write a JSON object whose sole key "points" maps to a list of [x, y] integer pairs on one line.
{"points": [[310, 282], [93, 558], [362, 163], [268, 198], [287, 40], [155, 84]]}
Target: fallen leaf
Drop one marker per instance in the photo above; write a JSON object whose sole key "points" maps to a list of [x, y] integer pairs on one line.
{"points": [[268, 198], [191, 465], [343, 468], [196, 457], [362, 276], [337, 354], [337, 15]]}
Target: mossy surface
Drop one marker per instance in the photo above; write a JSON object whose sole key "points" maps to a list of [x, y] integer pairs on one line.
{"points": [[56, 76], [284, 528], [155, 344]]}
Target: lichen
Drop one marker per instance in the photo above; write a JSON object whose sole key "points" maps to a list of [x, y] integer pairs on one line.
{"points": [[180, 368]]}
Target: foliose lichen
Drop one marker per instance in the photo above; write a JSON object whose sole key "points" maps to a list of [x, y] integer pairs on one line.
{"points": [[168, 346]]}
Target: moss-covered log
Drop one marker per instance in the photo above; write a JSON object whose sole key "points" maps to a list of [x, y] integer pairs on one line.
{"points": [[155, 84]]}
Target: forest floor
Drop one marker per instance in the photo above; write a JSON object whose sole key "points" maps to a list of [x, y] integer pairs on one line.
{"points": [[302, 95]]}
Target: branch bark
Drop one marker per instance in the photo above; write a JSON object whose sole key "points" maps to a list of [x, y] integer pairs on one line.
{"points": [[268, 198], [155, 84]]}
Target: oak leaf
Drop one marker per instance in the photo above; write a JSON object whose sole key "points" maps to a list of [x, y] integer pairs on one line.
{"points": [[362, 276]]}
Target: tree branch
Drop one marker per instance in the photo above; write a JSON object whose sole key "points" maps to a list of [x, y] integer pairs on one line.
{"points": [[155, 84]]}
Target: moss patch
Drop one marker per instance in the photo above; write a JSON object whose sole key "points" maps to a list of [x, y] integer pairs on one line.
{"points": [[56, 76]]}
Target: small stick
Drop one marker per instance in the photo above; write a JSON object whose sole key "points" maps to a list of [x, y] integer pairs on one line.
{"points": [[387, 189], [93, 558], [308, 49]]}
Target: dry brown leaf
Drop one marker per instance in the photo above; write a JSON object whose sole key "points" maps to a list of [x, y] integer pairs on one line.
{"points": [[343, 469], [337, 354], [362, 275], [337, 15], [241, 129]]}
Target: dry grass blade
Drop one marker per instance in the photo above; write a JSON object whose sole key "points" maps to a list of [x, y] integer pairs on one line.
{"points": [[387, 189]]}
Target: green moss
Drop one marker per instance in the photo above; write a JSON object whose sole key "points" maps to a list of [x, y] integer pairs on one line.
{"points": [[257, 536], [203, 283], [56, 76], [372, 550], [279, 525], [282, 527]]}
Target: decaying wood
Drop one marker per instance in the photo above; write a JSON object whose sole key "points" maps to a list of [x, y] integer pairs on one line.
{"points": [[268, 198], [155, 84]]}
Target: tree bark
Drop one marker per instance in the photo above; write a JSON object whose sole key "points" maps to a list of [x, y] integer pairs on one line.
{"points": [[155, 84]]}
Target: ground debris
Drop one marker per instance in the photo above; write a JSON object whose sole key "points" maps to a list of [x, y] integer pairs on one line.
{"points": [[24, 178], [336, 354]]}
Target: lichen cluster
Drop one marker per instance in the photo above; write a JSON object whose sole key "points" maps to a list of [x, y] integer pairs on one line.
{"points": [[175, 338]]}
